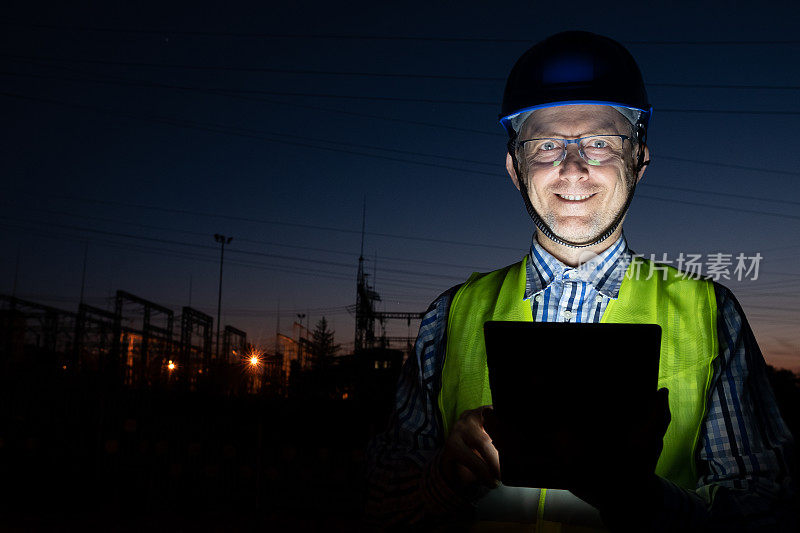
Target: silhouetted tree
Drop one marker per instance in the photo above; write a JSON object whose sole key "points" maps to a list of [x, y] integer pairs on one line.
{"points": [[322, 347]]}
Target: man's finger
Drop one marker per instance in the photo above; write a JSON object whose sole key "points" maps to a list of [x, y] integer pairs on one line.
{"points": [[473, 446], [482, 445], [465, 455]]}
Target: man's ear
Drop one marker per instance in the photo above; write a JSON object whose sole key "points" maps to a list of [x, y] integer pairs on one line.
{"points": [[510, 169], [644, 167]]}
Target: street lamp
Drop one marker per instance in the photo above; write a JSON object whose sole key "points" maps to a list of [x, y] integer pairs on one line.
{"points": [[303, 346], [253, 359], [223, 241]]}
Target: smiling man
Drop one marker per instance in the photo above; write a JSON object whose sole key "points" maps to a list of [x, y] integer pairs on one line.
{"points": [[577, 165], [712, 454]]}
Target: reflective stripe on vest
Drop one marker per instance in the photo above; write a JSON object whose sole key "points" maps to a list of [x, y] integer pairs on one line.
{"points": [[650, 294]]}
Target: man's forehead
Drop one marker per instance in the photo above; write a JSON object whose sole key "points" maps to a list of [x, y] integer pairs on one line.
{"points": [[574, 120]]}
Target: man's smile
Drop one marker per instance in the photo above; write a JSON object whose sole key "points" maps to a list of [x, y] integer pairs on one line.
{"points": [[574, 198]]}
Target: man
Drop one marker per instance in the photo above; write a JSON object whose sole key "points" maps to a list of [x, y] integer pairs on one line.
{"points": [[576, 111]]}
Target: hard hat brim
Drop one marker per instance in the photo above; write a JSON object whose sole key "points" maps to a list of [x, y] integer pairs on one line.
{"points": [[512, 122]]}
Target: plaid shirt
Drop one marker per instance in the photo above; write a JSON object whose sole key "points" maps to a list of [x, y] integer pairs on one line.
{"points": [[744, 449]]}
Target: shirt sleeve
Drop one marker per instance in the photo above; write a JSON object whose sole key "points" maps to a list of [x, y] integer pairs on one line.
{"points": [[745, 449], [404, 483]]}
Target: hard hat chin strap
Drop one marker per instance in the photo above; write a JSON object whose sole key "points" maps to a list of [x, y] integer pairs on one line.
{"points": [[545, 229]]}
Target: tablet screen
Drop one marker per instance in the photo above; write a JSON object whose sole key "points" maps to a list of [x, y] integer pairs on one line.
{"points": [[563, 391]]}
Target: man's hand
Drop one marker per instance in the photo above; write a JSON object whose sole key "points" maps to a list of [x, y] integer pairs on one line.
{"points": [[469, 458]]}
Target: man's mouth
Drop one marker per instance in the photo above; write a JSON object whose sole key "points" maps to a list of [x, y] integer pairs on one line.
{"points": [[575, 197]]}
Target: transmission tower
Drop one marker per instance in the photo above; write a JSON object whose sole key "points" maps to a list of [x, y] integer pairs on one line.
{"points": [[366, 298]]}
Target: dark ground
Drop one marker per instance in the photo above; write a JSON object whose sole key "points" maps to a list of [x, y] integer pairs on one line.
{"points": [[75, 456], [79, 456]]}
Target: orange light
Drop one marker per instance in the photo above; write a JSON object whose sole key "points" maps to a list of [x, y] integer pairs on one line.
{"points": [[171, 365], [252, 358]]}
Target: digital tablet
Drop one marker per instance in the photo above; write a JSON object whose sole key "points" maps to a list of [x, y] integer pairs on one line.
{"points": [[562, 392]]}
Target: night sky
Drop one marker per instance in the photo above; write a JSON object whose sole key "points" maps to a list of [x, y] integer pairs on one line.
{"points": [[143, 131]]}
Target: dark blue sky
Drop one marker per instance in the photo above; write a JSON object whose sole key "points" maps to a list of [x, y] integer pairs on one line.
{"points": [[272, 123]]}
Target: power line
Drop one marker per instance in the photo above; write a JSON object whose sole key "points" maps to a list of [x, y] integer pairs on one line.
{"points": [[729, 111], [248, 132], [232, 311], [272, 222], [727, 194], [222, 129], [305, 139], [240, 252], [247, 252], [372, 98], [229, 311], [309, 248], [368, 37], [730, 42], [210, 259], [267, 70], [261, 35], [442, 126], [724, 208], [730, 165], [252, 241], [161, 252], [360, 74], [726, 86], [260, 135], [319, 108], [239, 132]]}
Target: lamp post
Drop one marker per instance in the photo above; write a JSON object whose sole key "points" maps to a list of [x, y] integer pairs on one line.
{"points": [[301, 346], [223, 241]]}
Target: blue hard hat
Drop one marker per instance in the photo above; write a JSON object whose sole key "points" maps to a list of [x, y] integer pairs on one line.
{"points": [[575, 67]]}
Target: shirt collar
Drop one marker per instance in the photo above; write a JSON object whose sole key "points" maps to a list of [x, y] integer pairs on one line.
{"points": [[604, 272]]}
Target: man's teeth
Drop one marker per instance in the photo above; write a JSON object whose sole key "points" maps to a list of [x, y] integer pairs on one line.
{"points": [[572, 197]]}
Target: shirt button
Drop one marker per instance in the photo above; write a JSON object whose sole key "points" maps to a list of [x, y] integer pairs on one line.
{"points": [[567, 314], [539, 298], [599, 298]]}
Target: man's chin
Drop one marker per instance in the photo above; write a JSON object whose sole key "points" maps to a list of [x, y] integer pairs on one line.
{"points": [[577, 235], [577, 230]]}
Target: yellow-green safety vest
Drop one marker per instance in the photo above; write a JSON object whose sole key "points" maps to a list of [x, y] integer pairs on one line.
{"points": [[685, 308]]}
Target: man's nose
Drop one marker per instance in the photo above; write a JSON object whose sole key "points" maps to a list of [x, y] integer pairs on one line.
{"points": [[574, 167]]}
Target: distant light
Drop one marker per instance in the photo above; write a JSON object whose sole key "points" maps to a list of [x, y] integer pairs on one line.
{"points": [[252, 358], [64, 367], [345, 396], [171, 365]]}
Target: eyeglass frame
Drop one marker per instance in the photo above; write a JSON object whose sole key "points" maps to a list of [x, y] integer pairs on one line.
{"points": [[577, 140]]}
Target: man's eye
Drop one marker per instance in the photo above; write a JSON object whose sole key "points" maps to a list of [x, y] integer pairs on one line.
{"points": [[599, 143], [549, 145]]}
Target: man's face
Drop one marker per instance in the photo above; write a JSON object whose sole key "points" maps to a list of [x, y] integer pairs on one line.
{"points": [[601, 189]]}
